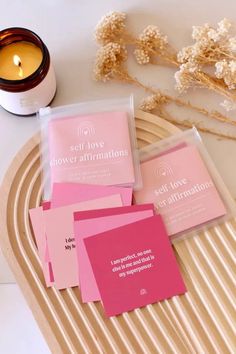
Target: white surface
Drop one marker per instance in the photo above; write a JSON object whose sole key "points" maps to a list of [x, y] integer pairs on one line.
{"points": [[66, 27], [19, 334]]}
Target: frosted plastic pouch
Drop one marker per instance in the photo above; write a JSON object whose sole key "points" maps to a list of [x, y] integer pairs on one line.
{"points": [[90, 142], [180, 178]]}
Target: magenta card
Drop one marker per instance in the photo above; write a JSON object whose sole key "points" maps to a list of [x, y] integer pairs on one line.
{"points": [[134, 265], [69, 193], [93, 149], [180, 186], [88, 223], [59, 229]]}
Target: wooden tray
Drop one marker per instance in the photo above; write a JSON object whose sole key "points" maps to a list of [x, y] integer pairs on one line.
{"points": [[202, 321]]}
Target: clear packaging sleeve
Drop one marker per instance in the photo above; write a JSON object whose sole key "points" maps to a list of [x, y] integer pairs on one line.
{"points": [[183, 196], [90, 142]]}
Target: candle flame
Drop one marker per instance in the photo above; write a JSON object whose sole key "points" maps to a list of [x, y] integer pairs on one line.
{"points": [[16, 60]]}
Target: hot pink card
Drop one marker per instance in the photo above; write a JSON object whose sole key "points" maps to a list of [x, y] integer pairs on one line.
{"points": [[68, 193], [180, 186], [92, 222], [60, 236], [93, 149], [134, 265]]}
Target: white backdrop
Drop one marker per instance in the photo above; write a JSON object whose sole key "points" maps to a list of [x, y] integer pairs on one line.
{"points": [[66, 26], [67, 29]]}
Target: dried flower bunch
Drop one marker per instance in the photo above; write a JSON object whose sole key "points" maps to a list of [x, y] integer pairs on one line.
{"points": [[112, 56], [109, 61], [213, 48], [110, 28], [152, 44]]}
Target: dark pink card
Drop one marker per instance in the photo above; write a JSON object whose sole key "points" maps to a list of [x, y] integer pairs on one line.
{"points": [[134, 265]]}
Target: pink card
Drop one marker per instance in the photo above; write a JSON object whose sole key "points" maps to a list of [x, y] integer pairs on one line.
{"points": [[181, 188], [60, 236], [64, 194], [68, 193], [37, 221], [93, 149], [88, 223], [134, 265]]}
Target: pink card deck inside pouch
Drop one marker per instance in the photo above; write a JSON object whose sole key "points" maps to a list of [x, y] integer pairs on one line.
{"points": [[68, 193], [180, 186], [134, 265], [59, 229], [93, 149], [89, 223]]}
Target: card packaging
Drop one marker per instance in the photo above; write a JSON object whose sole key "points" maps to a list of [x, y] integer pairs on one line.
{"points": [[181, 180], [90, 143]]}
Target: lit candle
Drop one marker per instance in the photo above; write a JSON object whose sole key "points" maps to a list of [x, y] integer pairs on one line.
{"points": [[19, 60], [27, 79]]}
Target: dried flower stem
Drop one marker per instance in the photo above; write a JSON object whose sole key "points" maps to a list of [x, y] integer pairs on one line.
{"points": [[186, 124], [203, 79], [124, 76], [210, 114], [110, 66]]}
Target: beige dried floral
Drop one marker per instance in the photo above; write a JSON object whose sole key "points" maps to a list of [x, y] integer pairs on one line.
{"points": [[110, 65], [213, 47], [109, 60], [186, 76], [150, 103], [232, 45], [227, 71], [228, 105], [110, 28], [150, 44], [142, 56]]}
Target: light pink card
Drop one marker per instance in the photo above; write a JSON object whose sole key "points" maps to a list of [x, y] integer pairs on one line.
{"points": [[134, 265], [59, 229], [92, 222], [181, 188], [68, 193], [92, 149], [37, 222], [64, 194], [36, 217]]}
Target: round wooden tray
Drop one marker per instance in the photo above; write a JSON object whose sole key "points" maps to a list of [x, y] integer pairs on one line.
{"points": [[199, 322]]}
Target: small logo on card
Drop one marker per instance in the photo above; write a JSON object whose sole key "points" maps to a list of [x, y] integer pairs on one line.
{"points": [[86, 129], [143, 292], [164, 170]]}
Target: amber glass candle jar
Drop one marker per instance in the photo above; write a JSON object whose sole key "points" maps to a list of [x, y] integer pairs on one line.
{"points": [[27, 78]]}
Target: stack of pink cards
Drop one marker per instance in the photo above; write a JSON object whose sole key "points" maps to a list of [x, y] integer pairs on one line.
{"points": [[92, 237], [53, 226], [125, 258]]}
